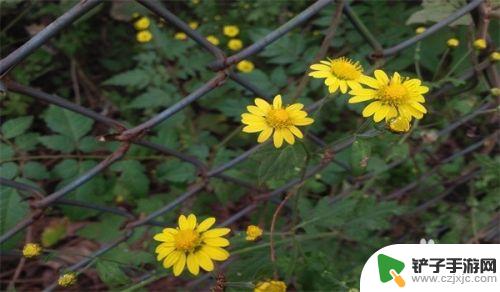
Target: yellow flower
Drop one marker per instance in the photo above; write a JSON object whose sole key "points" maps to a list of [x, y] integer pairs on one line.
{"points": [[399, 124], [339, 73], [495, 56], [213, 40], [270, 286], [480, 44], [268, 118], [245, 66], [67, 280], [394, 97], [142, 23], [32, 250], [194, 24], [231, 30], [453, 43], [180, 36], [235, 44], [195, 2], [144, 36], [253, 232], [135, 14], [192, 244], [420, 30], [495, 91]]}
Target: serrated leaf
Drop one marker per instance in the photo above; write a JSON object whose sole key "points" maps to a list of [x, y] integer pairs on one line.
{"points": [[67, 123], [111, 273], [12, 210], [8, 170], [15, 127], [6, 151], [152, 98], [280, 163], [136, 77], [35, 170], [437, 10], [360, 156], [176, 171], [58, 142]]}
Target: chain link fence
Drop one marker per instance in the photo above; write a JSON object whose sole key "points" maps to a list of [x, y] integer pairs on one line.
{"points": [[222, 67]]}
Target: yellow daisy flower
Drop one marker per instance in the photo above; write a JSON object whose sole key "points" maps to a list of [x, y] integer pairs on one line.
{"points": [[192, 244], [31, 250], [195, 2], [144, 36], [180, 36], [495, 91], [231, 30], [235, 44], [194, 24], [495, 56], [480, 44], [274, 118], [245, 66], [270, 286], [213, 40], [394, 97], [142, 23], [66, 280], [339, 73], [453, 43], [253, 232], [420, 30]]}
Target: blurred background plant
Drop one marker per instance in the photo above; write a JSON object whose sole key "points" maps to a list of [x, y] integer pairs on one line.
{"points": [[385, 189]]}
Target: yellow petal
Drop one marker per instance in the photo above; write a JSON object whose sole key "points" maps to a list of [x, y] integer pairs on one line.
{"points": [[295, 107], [255, 128], [333, 86], [303, 122], [287, 135], [262, 104], [371, 108], [264, 135], [320, 74], [170, 230], [392, 113], [423, 89], [360, 98], [191, 219], [277, 139], [277, 102], [205, 224], [372, 82], [183, 224], [216, 232], [215, 253], [171, 259], [163, 252], [396, 78], [353, 84], [418, 107], [380, 114], [217, 241], [297, 115], [381, 77], [163, 246], [296, 131], [204, 261], [343, 86], [252, 118], [192, 264], [256, 110], [179, 265], [164, 237], [320, 67]]}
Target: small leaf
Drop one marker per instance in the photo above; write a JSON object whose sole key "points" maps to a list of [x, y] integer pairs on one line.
{"points": [[35, 170], [67, 123], [15, 127], [111, 274], [176, 171], [135, 77], [58, 143]]}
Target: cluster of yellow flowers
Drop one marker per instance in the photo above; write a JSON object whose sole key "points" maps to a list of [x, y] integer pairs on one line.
{"points": [[31, 250], [396, 99], [67, 280], [143, 35]]}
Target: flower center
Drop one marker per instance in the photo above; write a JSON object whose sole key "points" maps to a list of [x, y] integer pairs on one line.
{"points": [[393, 93], [278, 118], [345, 70], [186, 240]]}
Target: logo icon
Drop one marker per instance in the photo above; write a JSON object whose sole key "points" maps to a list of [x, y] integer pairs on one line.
{"points": [[389, 269]]}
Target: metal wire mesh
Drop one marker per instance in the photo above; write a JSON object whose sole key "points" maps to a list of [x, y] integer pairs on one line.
{"points": [[222, 67]]}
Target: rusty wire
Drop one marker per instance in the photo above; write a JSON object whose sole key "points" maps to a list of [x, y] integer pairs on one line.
{"points": [[222, 66]]}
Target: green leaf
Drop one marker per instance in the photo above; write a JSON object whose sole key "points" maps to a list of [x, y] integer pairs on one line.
{"points": [[136, 78], [6, 151], [176, 171], [35, 170], [280, 163], [107, 229], [437, 10], [111, 274], [12, 210], [67, 123], [58, 142], [152, 98], [15, 127], [27, 142], [8, 170], [132, 178], [54, 233]]}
